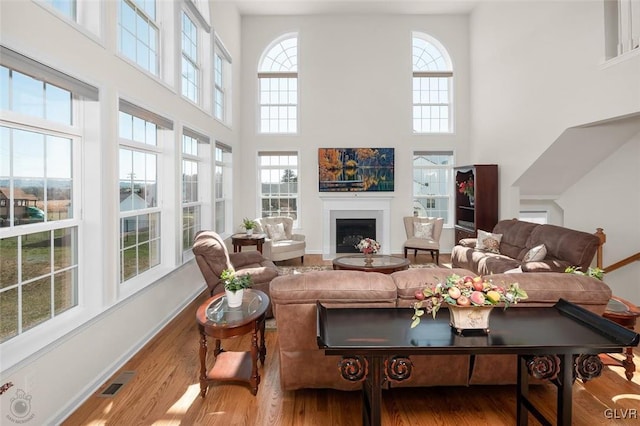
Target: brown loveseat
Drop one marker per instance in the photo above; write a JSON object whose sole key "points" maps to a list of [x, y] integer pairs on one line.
{"points": [[303, 365], [564, 247]]}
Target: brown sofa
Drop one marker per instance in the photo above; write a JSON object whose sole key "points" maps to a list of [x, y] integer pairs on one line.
{"points": [[565, 247], [303, 365]]}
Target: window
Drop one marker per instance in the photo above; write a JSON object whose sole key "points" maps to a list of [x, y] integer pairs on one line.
{"points": [[222, 188], [433, 184], [622, 26], [432, 86], [278, 79], [66, 7], [140, 216], [222, 83], [39, 192], [279, 184], [190, 67], [139, 33], [193, 145]]}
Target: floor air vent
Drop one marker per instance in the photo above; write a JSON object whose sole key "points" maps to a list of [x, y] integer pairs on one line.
{"points": [[117, 384]]}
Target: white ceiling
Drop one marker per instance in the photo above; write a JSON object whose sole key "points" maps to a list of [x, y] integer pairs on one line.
{"points": [[334, 7]]}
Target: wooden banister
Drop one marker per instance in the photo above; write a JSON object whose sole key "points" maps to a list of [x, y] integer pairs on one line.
{"points": [[623, 262], [603, 239]]}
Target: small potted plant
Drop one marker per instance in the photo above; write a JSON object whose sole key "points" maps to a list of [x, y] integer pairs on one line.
{"points": [[234, 286], [249, 225]]}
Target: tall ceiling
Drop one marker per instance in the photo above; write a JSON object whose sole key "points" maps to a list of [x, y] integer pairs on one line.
{"points": [[335, 7]]}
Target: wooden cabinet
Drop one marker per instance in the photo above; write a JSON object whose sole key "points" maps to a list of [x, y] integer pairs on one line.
{"points": [[476, 199]]}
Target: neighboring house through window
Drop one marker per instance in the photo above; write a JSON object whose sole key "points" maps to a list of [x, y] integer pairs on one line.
{"points": [[433, 184], [40, 191], [278, 79], [140, 214], [279, 184], [432, 86]]}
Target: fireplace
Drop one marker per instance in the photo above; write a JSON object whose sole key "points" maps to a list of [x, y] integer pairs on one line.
{"points": [[351, 206], [349, 232]]}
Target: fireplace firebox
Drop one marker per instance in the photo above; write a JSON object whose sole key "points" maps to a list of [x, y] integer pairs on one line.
{"points": [[349, 232]]}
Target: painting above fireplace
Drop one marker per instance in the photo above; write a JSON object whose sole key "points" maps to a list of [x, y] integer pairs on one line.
{"points": [[356, 169]]}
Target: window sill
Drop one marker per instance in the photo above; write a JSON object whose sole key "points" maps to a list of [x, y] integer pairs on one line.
{"points": [[635, 53]]}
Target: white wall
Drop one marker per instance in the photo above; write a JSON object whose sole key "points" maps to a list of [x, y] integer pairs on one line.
{"points": [[538, 69], [60, 376], [354, 91]]}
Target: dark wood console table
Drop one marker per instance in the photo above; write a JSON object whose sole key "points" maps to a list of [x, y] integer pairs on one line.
{"points": [[558, 343]]}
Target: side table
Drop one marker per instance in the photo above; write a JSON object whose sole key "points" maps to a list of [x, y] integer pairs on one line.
{"points": [[240, 240], [624, 313], [217, 320]]}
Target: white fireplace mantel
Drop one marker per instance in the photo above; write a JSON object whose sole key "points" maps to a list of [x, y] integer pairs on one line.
{"points": [[355, 206]]}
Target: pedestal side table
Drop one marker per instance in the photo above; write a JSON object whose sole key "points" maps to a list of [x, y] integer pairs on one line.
{"points": [[217, 320]]}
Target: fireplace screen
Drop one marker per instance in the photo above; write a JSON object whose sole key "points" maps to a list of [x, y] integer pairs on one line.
{"points": [[349, 232]]}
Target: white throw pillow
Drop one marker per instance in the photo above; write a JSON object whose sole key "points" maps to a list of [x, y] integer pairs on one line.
{"points": [[423, 230], [536, 254], [488, 241], [276, 232]]}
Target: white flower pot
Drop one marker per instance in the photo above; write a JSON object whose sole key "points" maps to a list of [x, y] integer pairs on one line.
{"points": [[234, 299], [249, 231]]}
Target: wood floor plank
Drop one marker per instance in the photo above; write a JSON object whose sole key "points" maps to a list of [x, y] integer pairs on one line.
{"points": [[165, 391]]}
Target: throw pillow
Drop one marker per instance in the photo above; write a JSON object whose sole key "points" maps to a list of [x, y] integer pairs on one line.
{"points": [[276, 232], [536, 254], [488, 241], [423, 230]]}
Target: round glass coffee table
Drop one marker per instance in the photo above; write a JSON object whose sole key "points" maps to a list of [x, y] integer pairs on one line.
{"points": [[381, 263], [217, 320]]}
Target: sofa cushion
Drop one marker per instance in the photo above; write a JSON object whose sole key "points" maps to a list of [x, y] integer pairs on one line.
{"points": [[536, 254], [515, 234], [576, 248], [488, 241], [422, 230]]}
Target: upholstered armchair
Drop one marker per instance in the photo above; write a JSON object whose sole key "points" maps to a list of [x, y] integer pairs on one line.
{"points": [[213, 257], [281, 243], [423, 233]]}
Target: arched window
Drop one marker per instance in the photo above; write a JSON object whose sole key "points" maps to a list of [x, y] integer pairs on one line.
{"points": [[432, 86], [278, 78]]}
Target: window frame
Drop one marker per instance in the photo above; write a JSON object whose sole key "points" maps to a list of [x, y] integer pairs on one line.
{"points": [[199, 158], [152, 22], [279, 74], [423, 74], [262, 196], [196, 83], [448, 182], [223, 192]]}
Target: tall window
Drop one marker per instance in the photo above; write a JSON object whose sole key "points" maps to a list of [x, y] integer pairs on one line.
{"points": [[279, 184], [39, 192], [222, 184], [432, 86], [67, 7], [192, 155], [138, 181], [139, 33], [190, 65], [622, 26], [433, 184], [278, 78]]}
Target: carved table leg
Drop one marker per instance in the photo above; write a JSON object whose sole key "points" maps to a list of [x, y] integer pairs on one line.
{"points": [[255, 377], [203, 364], [263, 347]]}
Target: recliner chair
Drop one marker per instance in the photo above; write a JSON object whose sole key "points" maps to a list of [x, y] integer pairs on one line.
{"points": [[213, 257]]}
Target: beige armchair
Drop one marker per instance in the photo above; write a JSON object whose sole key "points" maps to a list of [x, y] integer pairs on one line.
{"points": [[213, 257], [281, 243], [423, 233]]}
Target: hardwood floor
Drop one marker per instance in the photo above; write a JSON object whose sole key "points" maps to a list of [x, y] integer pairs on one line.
{"points": [[165, 391]]}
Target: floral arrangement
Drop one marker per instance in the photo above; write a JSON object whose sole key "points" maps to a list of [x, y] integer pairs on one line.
{"points": [[466, 187], [368, 246], [464, 291], [591, 272]]}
